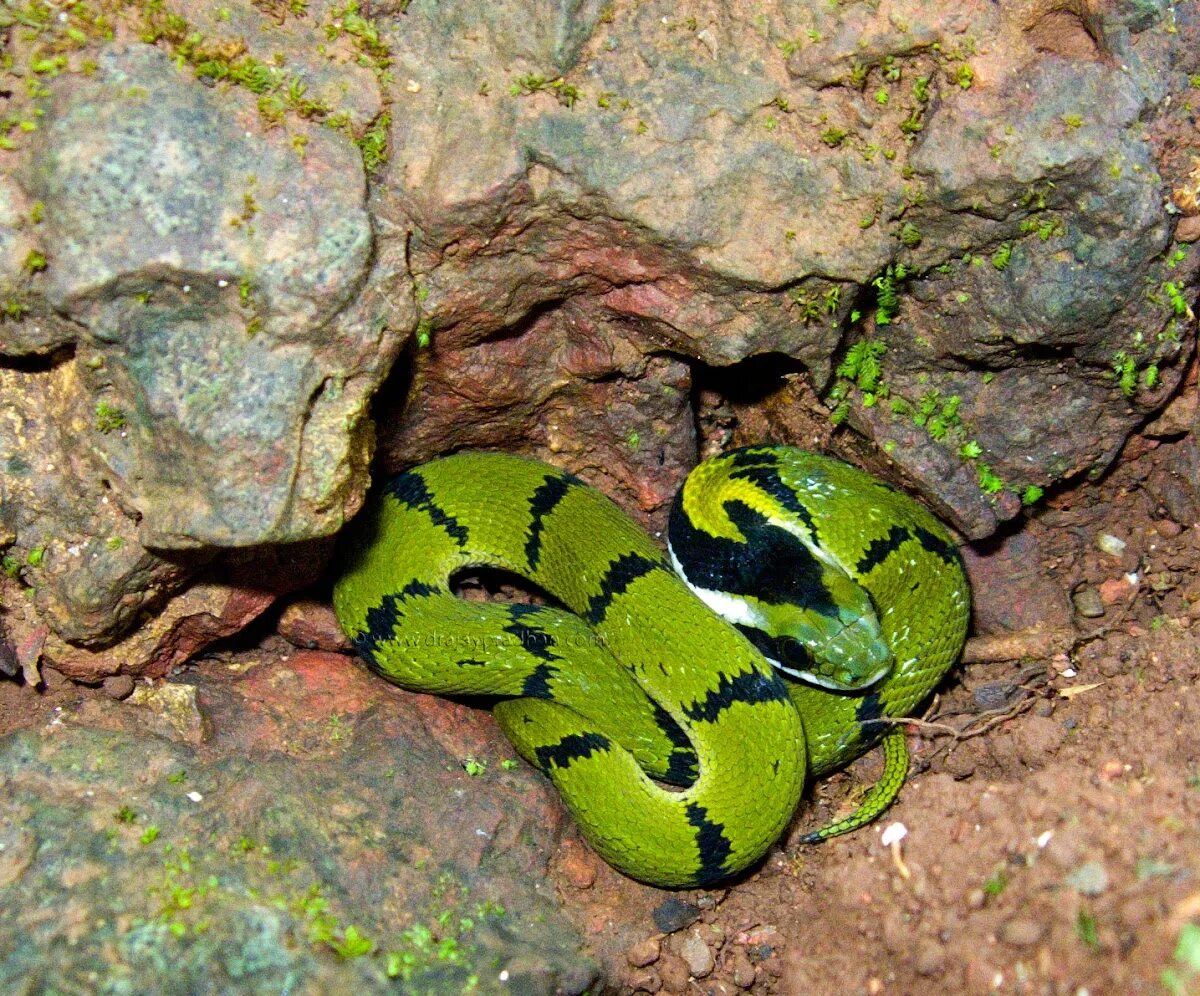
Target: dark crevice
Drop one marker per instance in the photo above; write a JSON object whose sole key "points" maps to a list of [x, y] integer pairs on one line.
{"points": [[748, 382]]}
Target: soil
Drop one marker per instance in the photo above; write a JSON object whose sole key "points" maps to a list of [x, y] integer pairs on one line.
{"points": [[1053, 811]]}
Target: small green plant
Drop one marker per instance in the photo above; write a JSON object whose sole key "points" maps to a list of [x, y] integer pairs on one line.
{"points": [[35, 556], [149, 835], [1045, 228], [11, 566], [474, 767], [510, 764], [887, 303], [424, 333], [995, 885], [833, 137], [633, 440], [1031, 495], [373, 143], [910, 235], [970, 450], [1072, 120], [124, 815], [1183, 977], [1086, 929], [964, 76], [862, 365], [920, 89], [109, 418], [1002, 256], [352, 944], [1178, 302], [1124, 368], [990, 482], [35, 261], [566, 93]]}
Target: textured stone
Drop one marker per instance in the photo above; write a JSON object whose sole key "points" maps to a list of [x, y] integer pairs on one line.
{"points": [[206, 279], [220, 867], [582, 213]]}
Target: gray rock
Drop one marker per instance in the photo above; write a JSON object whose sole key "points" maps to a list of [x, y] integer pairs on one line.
{"points": [[206, 268], [259, 861]]}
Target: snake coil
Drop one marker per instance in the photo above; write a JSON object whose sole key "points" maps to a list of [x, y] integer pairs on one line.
{"points": [[678, 703]]}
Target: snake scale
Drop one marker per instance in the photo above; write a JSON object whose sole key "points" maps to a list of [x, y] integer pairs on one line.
{"points": [[678, 718]]}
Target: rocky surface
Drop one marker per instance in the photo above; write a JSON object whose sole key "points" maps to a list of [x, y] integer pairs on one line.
{"points": [[932, 217], [244, 246], [254, 830]]}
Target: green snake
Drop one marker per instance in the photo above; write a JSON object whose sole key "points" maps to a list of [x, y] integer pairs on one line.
{"points": [[679, 741]]}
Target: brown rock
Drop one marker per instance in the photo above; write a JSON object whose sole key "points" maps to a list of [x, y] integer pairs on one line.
{"points": [[1036, 738], [674, 972], [1020, 932], [645, 980], [644, 952], [931, 959], [118, 686], [311, 625], [578, 864], [741, 968]]}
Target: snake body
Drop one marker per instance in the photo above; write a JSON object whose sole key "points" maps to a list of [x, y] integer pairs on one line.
{"points": [[846, 603]]}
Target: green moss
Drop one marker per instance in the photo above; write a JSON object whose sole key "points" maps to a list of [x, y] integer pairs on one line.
{"points": [[373, 144], [833, 137], [108, 417]]}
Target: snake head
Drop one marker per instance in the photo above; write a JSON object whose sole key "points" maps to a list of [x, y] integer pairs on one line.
{"points": [[838, 645]]}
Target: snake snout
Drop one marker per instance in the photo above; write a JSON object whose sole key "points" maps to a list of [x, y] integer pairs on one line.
{"points": [[853, 658]]}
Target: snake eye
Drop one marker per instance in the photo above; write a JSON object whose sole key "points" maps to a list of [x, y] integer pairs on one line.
{"points": [[792, 653]]}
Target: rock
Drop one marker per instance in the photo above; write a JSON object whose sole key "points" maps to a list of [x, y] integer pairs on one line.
{"points": [[674, 973], [1114, 591], [645, 980], [930, 959], [741, 968], [311, 625], [1088, 603], [673, 914], [118, 686], [644, 952], [318, 803], [209, 316], [1036, 738], [694, 950], [1088, 879], [1020, 932], [1021, 595]]}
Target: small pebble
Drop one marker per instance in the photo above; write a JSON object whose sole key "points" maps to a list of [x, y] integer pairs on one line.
{"points": [[742, 969], [1020, 932], [696, 953], [644, 953], [1114, 546], [1088, 603], [931, 959], [1167, 528], [1089, 879], [975, 899], [118, 686], [645, 980], [673, 971], [674, 914]]}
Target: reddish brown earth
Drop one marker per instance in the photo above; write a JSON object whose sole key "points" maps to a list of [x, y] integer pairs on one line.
{"points": [[1053, 847]]}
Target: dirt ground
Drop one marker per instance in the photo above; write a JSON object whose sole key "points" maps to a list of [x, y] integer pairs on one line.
{"points": [[1053, 812]]}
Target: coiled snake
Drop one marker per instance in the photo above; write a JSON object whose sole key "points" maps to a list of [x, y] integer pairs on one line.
{"points": [[846, 602]]}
